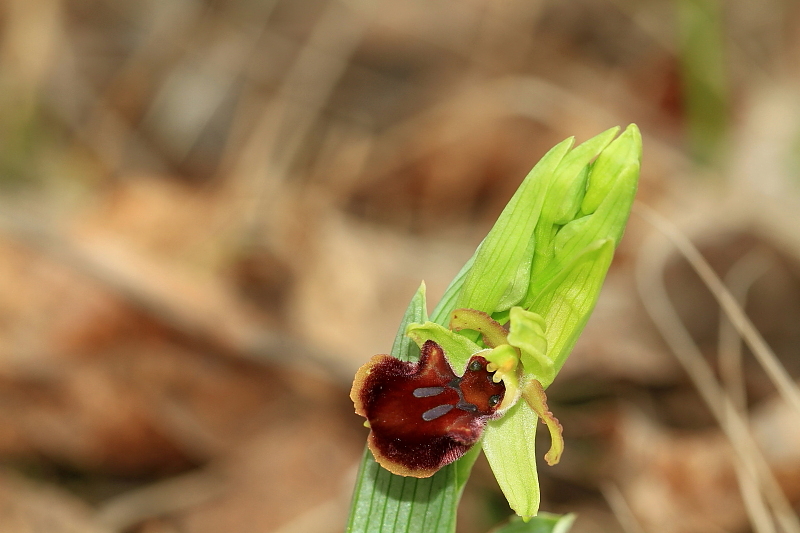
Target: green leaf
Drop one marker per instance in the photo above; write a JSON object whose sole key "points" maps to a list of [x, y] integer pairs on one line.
{"points": [[403, 346], [384, 502], [542, 523]]}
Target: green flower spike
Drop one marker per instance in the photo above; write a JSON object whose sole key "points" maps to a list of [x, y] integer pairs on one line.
{"points": [[520, 303], [575, 233], [539, 271]]}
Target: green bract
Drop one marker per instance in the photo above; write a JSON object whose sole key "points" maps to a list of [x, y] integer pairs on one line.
{"points": [[538, 273]]}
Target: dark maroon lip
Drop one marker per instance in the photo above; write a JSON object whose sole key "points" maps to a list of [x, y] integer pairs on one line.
{"points": [[422, 415]]}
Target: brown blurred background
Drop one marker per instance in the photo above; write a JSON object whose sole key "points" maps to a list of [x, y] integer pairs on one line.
{"points": [[211, 213]]}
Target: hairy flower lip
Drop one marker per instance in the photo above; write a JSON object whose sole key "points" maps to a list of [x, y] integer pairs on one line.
{"points": [[421, 415]]}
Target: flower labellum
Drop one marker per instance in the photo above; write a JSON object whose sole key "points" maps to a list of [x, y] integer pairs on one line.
{"points": [[422, 415]]}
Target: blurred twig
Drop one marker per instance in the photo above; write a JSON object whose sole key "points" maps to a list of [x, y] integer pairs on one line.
{"points": [[651, 263], [784, 383], [621, 509], [159, 499], [739, 279], [262, 165]]}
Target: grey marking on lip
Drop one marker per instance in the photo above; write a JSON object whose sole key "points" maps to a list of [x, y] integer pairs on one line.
{"points": [[425, 392], [436, 412], [466, 406]]}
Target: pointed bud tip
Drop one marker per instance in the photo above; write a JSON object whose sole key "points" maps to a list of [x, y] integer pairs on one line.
{"points": [[633, 136]]}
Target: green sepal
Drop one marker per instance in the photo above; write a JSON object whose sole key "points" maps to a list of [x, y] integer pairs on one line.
{"points": [[457, 348], [509, 445], [519, 279], [567, 190]]}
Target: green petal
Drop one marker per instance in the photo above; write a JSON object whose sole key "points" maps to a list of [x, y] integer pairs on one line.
{"points": [[527, 332], [537, 400], [509, 446], [492, 332], [504, 362]]}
